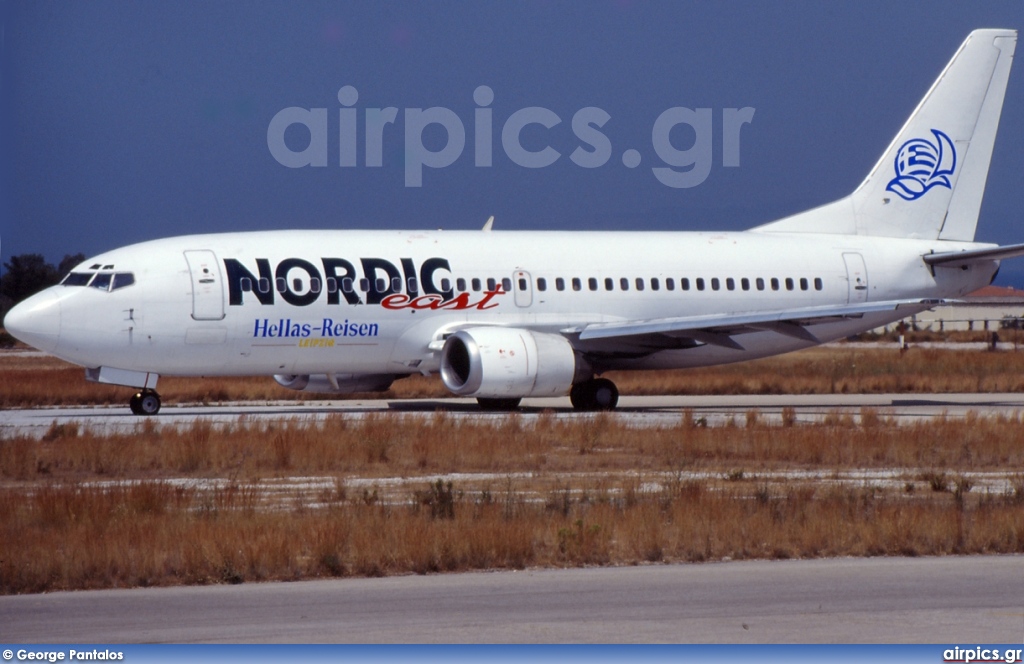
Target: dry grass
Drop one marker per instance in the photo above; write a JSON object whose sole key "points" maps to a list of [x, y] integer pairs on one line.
{"points": [[392, 494], [396, 445], [844, 370], [73, 536], [203, 504]]}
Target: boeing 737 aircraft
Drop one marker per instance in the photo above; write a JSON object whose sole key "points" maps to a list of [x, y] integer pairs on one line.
{"points": [[507, 315]]}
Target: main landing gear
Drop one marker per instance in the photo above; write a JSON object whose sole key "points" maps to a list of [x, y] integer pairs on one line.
{"points": [[594, 394], [498, 405], [146, 402]]}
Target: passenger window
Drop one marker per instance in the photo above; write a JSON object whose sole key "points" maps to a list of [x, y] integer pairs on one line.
{"points": [[123, 279], [246, 284], [609, 284], [700, 283], [446, 284], [655, 285], [297, 285], [364, 285], [592, 283], [684, 283], [639, 283], [715, 284], [760, 283], [745, 283], [818, 285], [775, 283], [624, 284], [492, 285], [803, 283], [476, 285], [789, 283], [412, 284], [264, 285], [577, 284], [670, 283], [332, 285], [730, 283], [522, 283], [314, 285], [102, 281], [460, 284], [347, 284], [542, 284], [382, 284], [396, 284], [559, 284], [506, 285], [282, 286]]}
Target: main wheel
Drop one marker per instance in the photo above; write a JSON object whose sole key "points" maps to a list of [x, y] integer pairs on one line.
{"points": [[579, 395], [498, 404], [605, 394], [595, 394], [146, 402]]}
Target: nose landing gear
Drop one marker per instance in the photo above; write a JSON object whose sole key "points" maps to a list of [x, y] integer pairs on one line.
{"points": [[146, 402]]}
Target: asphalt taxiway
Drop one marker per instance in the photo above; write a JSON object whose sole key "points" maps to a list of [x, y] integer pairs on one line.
{"points": [[966, 600], [639, 411]]}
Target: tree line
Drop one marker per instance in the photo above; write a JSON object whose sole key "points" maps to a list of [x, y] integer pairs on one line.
{"points": [[27, 274]]}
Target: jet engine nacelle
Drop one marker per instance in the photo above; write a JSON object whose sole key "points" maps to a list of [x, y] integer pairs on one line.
{"points": [[501, 362], [337, 383]]}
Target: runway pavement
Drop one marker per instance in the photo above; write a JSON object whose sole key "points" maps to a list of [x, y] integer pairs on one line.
{"points": [[639, 411], [966, 600]]}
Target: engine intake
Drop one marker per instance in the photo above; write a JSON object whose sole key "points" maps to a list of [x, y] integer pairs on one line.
{"points": [[495, 362]]}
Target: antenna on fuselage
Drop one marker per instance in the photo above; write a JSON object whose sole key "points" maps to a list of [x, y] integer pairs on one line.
{"points": [[489, 224]]}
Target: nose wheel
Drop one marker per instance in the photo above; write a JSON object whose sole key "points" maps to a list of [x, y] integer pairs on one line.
{"points": [[146, 402], [595, 394]]}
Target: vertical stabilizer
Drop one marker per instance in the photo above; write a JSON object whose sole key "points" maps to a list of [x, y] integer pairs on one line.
{"points": [[930, 181]]}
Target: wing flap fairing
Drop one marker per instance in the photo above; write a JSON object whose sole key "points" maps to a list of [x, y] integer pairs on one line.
{"points": [[720, 329]]}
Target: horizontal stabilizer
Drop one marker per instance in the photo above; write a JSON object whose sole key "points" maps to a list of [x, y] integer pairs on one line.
{"points": [[960, 258]]}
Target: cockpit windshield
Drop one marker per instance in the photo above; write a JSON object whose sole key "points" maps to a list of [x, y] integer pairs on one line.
{"points": [[101, 281], [78, 278], [104, 280]]}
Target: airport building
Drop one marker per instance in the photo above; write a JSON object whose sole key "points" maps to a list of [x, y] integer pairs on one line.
{"points": [[990, 308]]}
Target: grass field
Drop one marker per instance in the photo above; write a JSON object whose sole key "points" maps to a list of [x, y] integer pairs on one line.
{"points": [[393, 494]]}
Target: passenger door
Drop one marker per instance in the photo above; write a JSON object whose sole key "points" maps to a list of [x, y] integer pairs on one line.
{"points": [[857, 276], [207, 285]]}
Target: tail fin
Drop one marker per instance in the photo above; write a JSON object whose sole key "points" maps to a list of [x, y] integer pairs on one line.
{"points": [[930, 181]]}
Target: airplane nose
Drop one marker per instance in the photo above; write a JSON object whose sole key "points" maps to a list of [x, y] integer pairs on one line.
{"points": [[36, 321]]}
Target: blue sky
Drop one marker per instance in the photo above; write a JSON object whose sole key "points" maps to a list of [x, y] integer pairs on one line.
{"points": [[124, 122]]}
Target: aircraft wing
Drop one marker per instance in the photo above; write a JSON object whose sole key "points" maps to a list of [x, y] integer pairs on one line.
{"points": [[720, 329]]}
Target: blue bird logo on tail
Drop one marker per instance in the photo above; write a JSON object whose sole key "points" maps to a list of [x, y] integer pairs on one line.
{"points": [[921, 165]]}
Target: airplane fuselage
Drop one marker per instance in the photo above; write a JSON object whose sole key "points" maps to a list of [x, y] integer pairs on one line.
{"points": [[368, 302]]}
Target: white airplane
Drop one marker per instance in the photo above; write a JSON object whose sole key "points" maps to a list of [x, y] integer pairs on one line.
{"points": [[507, 315]]}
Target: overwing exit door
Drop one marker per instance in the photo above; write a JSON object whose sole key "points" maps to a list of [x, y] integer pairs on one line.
{"points": [[523, 287]]}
